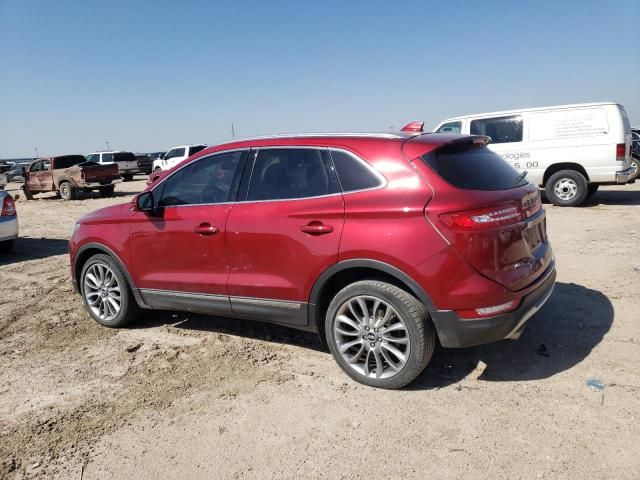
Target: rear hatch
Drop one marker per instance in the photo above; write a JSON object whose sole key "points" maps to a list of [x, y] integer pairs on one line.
{"points": [[126, 161], [487, 211]]}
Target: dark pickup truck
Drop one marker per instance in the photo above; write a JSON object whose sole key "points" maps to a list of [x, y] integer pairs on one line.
{"points": [[68, 175]]}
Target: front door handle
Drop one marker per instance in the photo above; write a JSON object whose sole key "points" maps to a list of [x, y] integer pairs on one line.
{"points": [[205, 229], [316, 228]]}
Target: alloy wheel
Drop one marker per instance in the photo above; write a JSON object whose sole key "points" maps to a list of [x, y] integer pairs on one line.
{"points": [[102, 292], [371, 337]]}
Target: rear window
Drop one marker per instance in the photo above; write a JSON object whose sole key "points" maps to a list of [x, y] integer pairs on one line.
{"points": [[69, 161], [473, 167], [124, 157], [196, 149]]}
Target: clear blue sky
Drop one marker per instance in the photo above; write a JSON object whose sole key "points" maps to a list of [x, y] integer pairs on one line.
{"points": [[150, 75]]}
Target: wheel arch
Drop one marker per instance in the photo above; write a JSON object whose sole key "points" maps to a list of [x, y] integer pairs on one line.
{"points": [[556, 167], [336, 277], [88, 250]]}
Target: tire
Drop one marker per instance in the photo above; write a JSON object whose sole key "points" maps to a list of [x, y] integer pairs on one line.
{"points": [[7, 246], [566, 188], [157, 169], [635, 164], [592, 189], [99, 300], [68, 191], [360, 361], [27, 194], [127, 178], [107, 192]]}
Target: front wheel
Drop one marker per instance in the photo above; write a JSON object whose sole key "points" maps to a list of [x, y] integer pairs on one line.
{"points": [[68, 191], [379, 334], [107, 192], [127, 178], [27, 194], [106, 293], [566, 188]]}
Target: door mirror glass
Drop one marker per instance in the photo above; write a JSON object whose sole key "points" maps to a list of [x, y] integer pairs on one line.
{"points": [[144, 202]]}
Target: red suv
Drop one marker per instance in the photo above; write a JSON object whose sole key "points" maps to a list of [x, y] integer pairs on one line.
{"points": [[381, 243]]}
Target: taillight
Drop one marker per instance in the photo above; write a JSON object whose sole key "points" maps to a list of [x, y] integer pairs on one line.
{"points": [[488, 217], [8, 207], [489, 311], [621, 152]]}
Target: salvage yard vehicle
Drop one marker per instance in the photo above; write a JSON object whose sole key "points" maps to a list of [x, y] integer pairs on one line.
{"points": [[145, 163], [8, 222], [68, 175], [381, 243], [174, 156], [569, 150], [126, 162]]}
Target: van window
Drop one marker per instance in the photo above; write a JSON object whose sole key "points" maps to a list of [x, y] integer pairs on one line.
{"points": [[473, 167], [450, 127], [288, 173], [501, 129]]}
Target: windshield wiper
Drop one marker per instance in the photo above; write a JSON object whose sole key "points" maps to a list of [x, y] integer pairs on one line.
{"points": [[521, 176]]}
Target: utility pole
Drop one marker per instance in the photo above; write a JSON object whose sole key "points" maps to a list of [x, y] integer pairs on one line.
{"points": [[233, 131], [107, 142], [37, 152]]}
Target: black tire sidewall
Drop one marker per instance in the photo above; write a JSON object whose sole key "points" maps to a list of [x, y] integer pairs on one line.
{"points": [[580, 181], [422, 341], [66, 186], [126, 300]]}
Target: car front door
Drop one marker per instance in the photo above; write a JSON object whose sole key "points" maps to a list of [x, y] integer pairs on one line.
{"points": [[45, 176], [284, 232], [33, 180], [178, 252]]}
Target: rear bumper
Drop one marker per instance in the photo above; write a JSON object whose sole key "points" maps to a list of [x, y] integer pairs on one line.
{"points": [[455, 332], [8, 228], [99, 184], [625, 176]]}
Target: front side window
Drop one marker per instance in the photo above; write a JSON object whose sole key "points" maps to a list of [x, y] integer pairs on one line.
{"points": [[289, 173], [35, 167], [170, 154], [501, 129], [205, 181], [46, 165], [178, 152], [92, 158], [450, 127]]}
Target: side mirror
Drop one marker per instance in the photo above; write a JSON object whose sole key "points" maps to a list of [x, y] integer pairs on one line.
{"points": [[145, 203]]}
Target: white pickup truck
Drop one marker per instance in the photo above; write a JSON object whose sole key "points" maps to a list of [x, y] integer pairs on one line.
{"points": [[175, 155], [126, 161], [569, 150]]}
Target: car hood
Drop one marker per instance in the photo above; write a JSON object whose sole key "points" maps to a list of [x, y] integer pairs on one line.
{"points": [[110, 214]]}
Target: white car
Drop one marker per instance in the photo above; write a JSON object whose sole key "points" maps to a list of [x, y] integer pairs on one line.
{"points": [[126, 161], [8, 222], [175, 155], [569, 150]]}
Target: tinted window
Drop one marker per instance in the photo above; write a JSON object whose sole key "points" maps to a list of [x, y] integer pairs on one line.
{"points": [[291, 173], [353, 173], [177, 152], [196, 149], [451, 127], [124, 157], [107, 157], [69, 161], [204, 181], [46, 165], [473, 167], [501, 130]]}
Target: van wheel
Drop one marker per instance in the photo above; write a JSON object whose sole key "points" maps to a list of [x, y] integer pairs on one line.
{"points": [[566, 188], [68, 191], [635, 165], [591, 189], [379, 334], [106, 293]]}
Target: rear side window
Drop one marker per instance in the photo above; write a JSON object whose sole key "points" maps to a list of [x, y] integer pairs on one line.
{"points": [[107, 157], [501, 129], [473, 167], [69, 161], [353, 173], [450, 127], [289, 173]]}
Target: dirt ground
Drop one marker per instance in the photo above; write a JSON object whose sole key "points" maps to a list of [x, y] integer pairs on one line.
{"points": [[188, 396]]}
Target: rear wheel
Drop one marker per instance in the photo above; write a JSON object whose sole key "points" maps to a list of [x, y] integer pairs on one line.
{"points": [[68, 191], [106, 293], [593, 188], [379, 334], [566, 188], [635, 165], [127, 178]]}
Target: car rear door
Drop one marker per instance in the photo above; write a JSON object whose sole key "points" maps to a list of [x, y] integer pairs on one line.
{"points": [[178, 255], [283, 233]]}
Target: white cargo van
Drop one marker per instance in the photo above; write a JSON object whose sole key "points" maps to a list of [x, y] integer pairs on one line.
{"points": [[569, 150]]}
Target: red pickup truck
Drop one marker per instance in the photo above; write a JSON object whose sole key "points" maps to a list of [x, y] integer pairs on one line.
{"points": [[68, 175]]}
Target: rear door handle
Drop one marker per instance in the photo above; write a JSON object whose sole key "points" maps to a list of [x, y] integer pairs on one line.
{"points": [[205, 229], [316, 228]]}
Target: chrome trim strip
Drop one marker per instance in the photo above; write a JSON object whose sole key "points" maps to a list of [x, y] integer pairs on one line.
{"points": [[267, 302], [173, 293]]}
